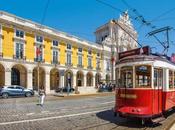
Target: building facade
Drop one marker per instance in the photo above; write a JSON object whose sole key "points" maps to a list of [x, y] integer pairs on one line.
{"points": [[118, 36], [36, 56]]}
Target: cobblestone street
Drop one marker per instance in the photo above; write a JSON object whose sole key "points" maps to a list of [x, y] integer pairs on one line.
{"points": [[65, 113]]}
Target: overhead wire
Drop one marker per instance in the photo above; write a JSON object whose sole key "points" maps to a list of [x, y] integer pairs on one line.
{"points": [[45, 12], [145, 22], [109, 5], [163, 14], [139, 17], [117, 23]]}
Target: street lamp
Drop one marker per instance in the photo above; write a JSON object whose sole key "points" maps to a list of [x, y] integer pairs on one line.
{"points": [[38, 53]]}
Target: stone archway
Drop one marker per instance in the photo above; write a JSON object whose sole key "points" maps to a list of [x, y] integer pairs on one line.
{"points": [[54, 79], [89, 80], [107, 78], [97, 79], [41, 78], [19, 75], [68, 78], [80, 79], [2, 75]]}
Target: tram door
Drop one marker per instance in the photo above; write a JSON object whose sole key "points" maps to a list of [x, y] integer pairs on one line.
{"points": [[158, 89], [127, 80]]}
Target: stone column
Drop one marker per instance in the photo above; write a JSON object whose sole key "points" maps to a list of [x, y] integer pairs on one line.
{"points": [[74, 80], [93, 81], [8, 76], [29, 79], [47, 84], [62, 81], [113, 72], [84, 80]]}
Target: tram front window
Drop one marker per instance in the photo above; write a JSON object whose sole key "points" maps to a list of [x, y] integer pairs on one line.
{"points": [[143, 76], [127, 77]]}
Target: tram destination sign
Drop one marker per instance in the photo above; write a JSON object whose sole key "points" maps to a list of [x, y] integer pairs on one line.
{"points": [[139, 51]]}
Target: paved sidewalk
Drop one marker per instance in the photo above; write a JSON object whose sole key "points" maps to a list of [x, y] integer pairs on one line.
{"points": [[88, 94], [53, 97]]}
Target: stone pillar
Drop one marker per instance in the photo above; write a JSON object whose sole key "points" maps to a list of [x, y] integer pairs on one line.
{"points": [[29, 79], [74, 80], [47, 84], [8, 76], [93, 81], [62, 82], [113, 72], [85, 81]]}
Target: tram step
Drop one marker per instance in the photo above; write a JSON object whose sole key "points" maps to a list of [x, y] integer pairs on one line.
{"points": [[158, 119]]}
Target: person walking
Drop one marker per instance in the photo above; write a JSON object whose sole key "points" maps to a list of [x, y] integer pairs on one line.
{"points": [[42, 95]]}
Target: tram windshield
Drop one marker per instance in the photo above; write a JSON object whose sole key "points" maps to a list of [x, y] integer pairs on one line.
{"points": [[143, 76]]}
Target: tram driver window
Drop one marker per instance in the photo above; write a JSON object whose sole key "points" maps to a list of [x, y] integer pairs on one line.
{"points": [[143, 76], [170, 79], [127, 77]]}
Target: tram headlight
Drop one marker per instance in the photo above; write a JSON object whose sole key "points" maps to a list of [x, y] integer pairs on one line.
{"points": [[138, 110]]}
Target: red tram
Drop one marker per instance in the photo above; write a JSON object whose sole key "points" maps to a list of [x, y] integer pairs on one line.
{"points": [[146, 84]]}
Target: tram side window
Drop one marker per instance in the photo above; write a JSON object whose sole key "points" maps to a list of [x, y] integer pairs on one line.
{"points": [[170, 79], [155, 77], [158, 78], [143, 76], [127, 77]]}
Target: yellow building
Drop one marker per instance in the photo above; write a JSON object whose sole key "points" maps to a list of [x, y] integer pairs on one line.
{"points": [[32, 55], [36, 56]]}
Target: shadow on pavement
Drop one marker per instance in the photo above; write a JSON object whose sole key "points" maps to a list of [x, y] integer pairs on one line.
{"points": [[108, 115]]}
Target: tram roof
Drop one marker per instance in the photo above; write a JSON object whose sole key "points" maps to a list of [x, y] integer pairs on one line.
{"points": [[142, 54]]}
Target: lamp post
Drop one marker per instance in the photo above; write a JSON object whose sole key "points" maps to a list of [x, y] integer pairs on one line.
{"points": [[38, 76], [38, 53]]}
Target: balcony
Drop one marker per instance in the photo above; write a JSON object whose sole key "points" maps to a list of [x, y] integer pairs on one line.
{"points": [[55, 62], [69, 64], [80, 66], [19, 57], [38, 60], [90, 67]]}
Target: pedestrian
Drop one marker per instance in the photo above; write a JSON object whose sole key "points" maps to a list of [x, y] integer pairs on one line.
{"points": [[42, 95], [39, 96]]}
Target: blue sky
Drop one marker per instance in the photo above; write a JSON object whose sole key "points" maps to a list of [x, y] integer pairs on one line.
{"points": [[82, 17]]}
